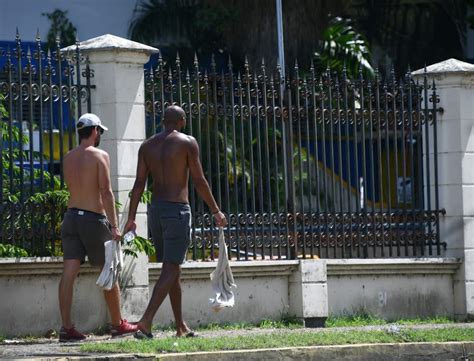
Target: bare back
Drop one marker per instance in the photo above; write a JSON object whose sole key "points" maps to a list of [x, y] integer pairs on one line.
{"points": [[81, 173], [166, 158]]}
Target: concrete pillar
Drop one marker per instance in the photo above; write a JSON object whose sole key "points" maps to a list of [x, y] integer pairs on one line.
{"points": [[454, 81], [119, 100], [308, 293]]}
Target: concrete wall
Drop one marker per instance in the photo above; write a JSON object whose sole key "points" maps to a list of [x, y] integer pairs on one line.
{"points": [[392, 289], [454, 81], [261, 293], [388, 288], [29, 297]]}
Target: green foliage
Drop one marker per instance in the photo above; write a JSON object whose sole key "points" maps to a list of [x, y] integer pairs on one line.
{"points": [[341, 46], [138, 245], [146, 197], [9, 250], [41, 211], [3, 111], [188, 27], [470, 17], [60, 26]]}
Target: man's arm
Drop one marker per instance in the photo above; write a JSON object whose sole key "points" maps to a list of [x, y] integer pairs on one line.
{"points": [[200, 182], [137, 191], [105, 189]]}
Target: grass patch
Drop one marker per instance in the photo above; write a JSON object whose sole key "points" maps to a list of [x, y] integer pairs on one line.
{"points": [[363, 319], [286, 323], [279, 339], [420, 321], [355, 320]]}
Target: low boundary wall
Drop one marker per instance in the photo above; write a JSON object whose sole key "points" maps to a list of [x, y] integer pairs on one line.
{"points": [[266, 290]]}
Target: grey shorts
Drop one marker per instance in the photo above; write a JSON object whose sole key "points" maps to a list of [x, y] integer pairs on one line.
{"points": [[84, 233], [170, 225]]}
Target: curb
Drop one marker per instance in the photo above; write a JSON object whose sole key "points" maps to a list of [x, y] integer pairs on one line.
{"points": [[459, 351]]}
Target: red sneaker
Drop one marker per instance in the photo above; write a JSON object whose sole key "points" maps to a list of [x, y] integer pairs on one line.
{"points": [[70, 334], [123, 329]]}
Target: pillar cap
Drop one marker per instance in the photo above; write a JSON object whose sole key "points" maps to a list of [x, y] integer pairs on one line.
{"points": [[109, 42], [448, 66]]}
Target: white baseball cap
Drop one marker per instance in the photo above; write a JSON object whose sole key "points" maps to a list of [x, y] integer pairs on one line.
{"points": [[89, 120]]}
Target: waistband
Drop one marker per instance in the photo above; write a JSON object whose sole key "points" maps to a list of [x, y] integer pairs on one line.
{"points": [[168, 203], [82, 212]]}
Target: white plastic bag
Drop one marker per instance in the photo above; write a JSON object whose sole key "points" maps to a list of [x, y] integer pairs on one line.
{"points": [[222, 279]]}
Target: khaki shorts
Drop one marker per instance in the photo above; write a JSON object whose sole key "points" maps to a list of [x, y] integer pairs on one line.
{"points": [[83, 233], [170, 225]]}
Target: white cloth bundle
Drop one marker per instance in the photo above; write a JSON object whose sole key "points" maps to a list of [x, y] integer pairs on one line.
{"points": [[113, 265], [222, 279]]}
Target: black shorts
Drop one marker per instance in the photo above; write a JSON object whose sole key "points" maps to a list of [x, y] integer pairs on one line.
{"points": [[84, 233], [170, 225]]}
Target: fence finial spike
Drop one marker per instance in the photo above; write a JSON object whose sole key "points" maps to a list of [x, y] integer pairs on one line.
{"points": [[37, 37], [178, 60], [17, 33], [230, 61], [213, 60], [246, 62], [196, 62], [263, 61]]}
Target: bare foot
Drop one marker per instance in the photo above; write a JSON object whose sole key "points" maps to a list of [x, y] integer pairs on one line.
{"points": [[143, 327], [183, 330]]}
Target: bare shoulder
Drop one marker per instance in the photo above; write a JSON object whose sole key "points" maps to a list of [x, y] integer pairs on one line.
{"points": [[98, 154], [189, 139], [148, 143]]}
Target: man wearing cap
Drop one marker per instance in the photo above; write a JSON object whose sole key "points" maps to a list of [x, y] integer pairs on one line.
{"points": [[169, 157], [89, 221]]}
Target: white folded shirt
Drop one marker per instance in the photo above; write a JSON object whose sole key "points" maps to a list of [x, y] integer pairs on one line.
{"points": [[112, 267], [222, 279]]}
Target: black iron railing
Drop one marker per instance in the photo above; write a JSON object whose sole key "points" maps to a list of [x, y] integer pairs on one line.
{"points": [[42, 91], [313, 165]]}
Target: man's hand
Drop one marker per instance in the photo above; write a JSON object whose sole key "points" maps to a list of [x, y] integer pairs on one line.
{"points": [[116, 235], [130, 226], [220, 219]]}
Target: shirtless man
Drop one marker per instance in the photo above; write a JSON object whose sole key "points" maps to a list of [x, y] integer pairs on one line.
{"points": [[89, 221], [169, 157]]}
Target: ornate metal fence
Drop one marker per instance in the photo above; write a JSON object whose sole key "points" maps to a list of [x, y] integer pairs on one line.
{"points": [[311, 165], [41, 93]]}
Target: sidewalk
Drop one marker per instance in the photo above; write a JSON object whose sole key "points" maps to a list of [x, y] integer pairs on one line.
{"points": [[51, 349]]}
